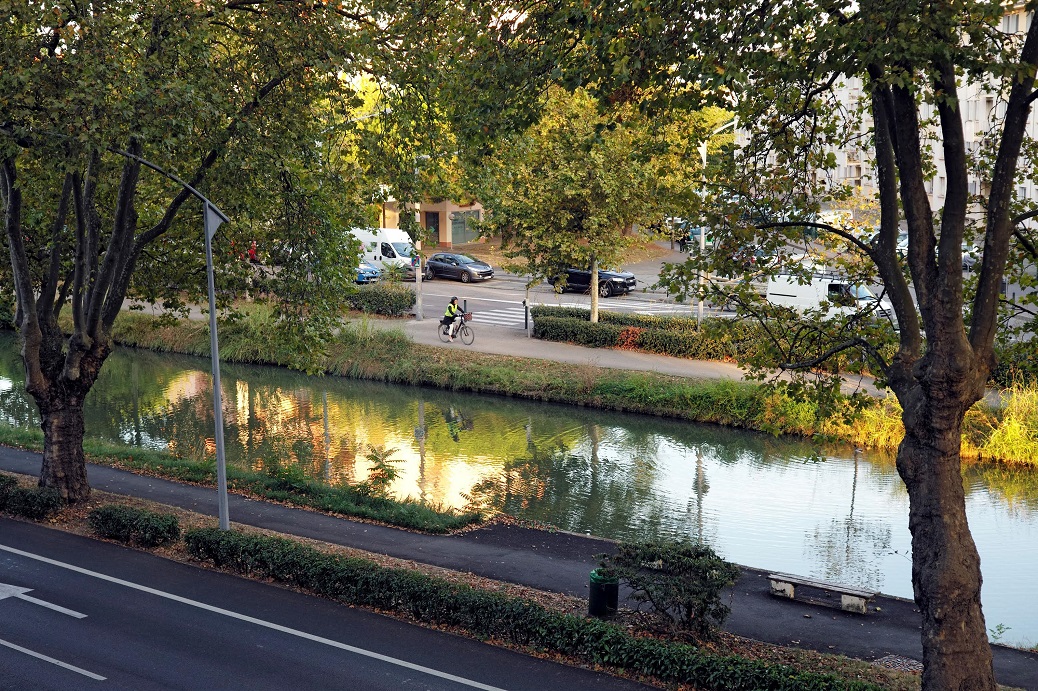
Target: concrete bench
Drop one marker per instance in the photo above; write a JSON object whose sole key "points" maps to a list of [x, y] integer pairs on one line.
{"points": [[851, 599]]}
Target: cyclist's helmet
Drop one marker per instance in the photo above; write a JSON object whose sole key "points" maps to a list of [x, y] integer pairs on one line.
{"points": [[454, 299]]}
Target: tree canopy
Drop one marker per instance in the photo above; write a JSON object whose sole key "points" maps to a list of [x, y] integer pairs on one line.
{"points": [[786, 71], [243, 101]]}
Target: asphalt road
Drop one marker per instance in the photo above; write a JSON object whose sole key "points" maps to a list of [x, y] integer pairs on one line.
{"points": [[80, 614], [499, 301]]}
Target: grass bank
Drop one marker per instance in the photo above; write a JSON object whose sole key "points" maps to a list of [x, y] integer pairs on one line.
{"points": [[1008, 434], [288, 485]]}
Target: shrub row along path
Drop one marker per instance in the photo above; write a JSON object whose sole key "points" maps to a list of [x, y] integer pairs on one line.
{"points": [[560, 562]]}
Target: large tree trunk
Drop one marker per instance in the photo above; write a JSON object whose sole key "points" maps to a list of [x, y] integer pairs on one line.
{"points": [[946, 574], [64, 465]]}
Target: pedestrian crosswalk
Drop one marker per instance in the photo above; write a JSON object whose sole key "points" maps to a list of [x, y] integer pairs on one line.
{"points": [[513, 317]]}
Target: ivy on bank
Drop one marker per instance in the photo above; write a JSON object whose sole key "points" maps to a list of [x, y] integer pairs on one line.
{"points": [[494, 615]]}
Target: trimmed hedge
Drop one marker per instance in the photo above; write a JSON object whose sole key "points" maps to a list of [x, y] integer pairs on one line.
{"points": [[712, 343], [387, 299], [34, 503], [494, 615], [132, 525]]}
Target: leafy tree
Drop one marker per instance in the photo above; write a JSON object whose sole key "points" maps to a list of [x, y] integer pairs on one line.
{"points": [[237, 98], [778, 66], [570, 189]]}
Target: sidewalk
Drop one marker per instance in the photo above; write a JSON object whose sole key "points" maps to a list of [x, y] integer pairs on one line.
{"points": [[515, 343], [560, 562]]}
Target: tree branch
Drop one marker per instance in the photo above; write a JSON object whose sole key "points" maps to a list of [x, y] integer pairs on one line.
{"points": [[117, 253], [836, 350], [45, 302], [210, 159], [998, 230], [824, 226], [28, 324]]}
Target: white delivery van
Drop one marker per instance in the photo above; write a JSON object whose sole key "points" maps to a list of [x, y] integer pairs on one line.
{"points": [[385, 248], [827, 286]]}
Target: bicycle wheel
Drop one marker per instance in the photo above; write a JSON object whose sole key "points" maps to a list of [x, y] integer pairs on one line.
{"points": [[442, 331], [467, 334]]}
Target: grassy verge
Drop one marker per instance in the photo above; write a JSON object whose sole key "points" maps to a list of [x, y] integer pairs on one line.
{"points": [[1008, 434], [727, 651], [288, 485]]}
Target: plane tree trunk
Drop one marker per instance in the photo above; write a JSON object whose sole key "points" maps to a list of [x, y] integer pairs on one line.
{"points": [[946, 574]]}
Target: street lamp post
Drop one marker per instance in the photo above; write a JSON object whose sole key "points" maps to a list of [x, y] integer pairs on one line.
{"points": [[212, 217], [702, 230]]}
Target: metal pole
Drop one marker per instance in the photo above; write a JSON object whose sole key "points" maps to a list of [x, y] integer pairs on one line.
{"points": [[702, 248], [417, 261], [221, 461]]}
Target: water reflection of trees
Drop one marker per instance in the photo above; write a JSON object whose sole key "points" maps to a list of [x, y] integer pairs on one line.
{"points": [[615, 463], [850, 548]]}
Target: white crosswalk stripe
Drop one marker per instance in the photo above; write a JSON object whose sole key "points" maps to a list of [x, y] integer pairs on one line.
{"points": [[511, 316]]}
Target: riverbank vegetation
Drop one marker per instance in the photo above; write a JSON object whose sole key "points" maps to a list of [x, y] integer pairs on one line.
{"points": [[361, 350], [286, 484]]}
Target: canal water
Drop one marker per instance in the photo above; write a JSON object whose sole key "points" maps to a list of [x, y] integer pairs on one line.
{"points": [[782, 504]]}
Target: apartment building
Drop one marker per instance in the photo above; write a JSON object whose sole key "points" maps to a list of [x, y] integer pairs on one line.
{"points": [[981, 111]]}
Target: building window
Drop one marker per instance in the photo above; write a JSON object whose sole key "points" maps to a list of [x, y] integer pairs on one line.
{"points": [[1011, 23]]}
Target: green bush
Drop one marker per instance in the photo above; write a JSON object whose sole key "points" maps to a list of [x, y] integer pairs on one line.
{"points": [[388, 299], [494, 615], [140, 526], [577, 331], [7, 485], [34, 503], [681, 582]]}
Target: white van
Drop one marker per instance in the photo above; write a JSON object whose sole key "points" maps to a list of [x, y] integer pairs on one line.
{"points": [[842, 297], [386, 248]]}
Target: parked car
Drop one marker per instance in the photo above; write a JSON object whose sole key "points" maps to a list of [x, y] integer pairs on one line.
{"points": [[367, 273], [458, 266], [609, 282]]}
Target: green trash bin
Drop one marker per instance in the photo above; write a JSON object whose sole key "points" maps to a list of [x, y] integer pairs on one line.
{"points": [[603, 594]]}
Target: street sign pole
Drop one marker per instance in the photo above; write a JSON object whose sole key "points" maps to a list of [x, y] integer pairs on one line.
{"points": [[213, 217]]}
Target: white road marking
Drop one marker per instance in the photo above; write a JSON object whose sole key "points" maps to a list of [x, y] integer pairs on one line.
{"points": [[18, 592], [51, 660], [253, 620]]}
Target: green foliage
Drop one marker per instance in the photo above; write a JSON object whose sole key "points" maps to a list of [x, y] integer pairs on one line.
{"points": [[8, 483], [486, 614], [681, 582], [741, 340], [388, 299], [133, 525], [577, 331], [34, 503], [569, 190], [382, 474]]}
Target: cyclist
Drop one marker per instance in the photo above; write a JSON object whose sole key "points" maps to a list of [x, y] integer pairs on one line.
{"points": [[452, 317]]}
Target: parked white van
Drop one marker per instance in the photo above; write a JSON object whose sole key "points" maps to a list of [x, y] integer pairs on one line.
{"points": [[828, 286], [386, 248]]}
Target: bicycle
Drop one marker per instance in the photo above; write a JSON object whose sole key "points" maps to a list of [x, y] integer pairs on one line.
{"points": [[463, 331]]}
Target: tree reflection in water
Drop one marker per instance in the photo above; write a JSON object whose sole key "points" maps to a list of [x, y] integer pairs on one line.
{"points": [[849, 549]]}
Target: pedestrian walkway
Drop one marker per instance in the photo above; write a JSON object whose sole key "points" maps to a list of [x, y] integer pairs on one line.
{"points": [[560, 562]]}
